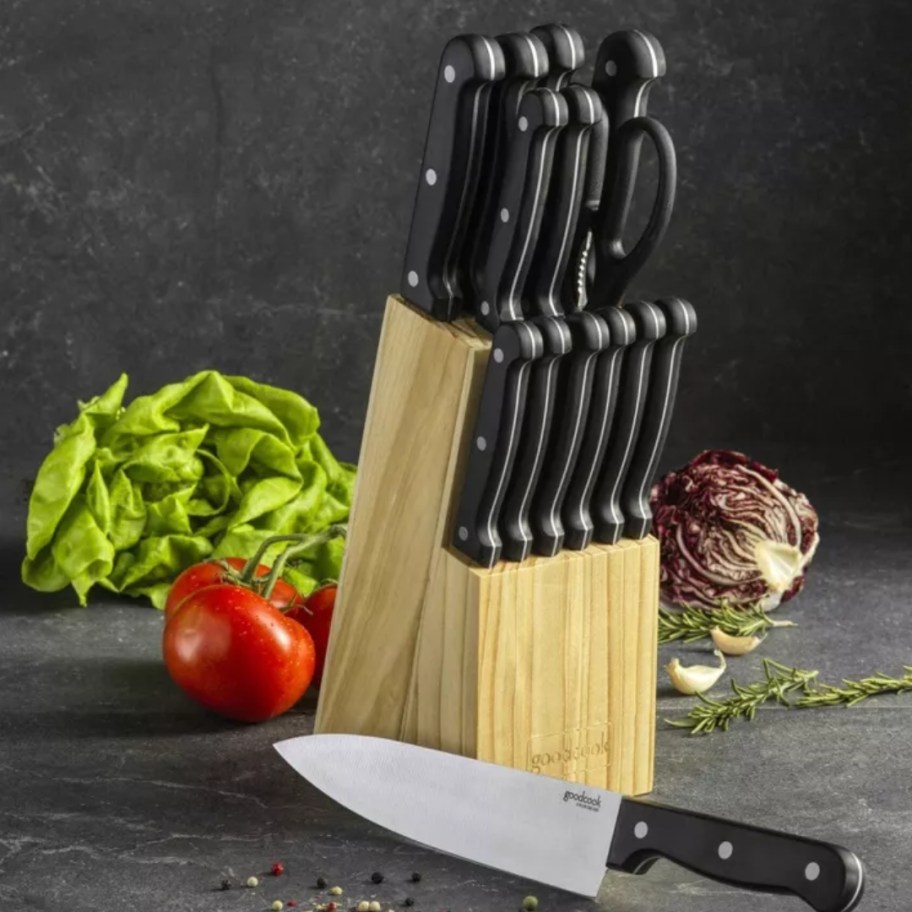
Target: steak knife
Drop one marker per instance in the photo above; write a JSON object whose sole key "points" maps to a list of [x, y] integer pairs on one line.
{"points": [[590, 336], [492, 448], [520, 205], [607, 516], [566, 54], [680, 323], [525, 63], [556, 832], [450, 168]]}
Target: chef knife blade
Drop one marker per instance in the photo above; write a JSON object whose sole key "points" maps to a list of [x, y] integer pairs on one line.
{"points": [[566, 54], [590, 335], [449, 174], [556, 832], [520, 205], [681, 323], [492, 448], [607, 516]]}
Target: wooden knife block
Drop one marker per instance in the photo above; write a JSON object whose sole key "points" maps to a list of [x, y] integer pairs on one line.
{"points": [[548, 665]]}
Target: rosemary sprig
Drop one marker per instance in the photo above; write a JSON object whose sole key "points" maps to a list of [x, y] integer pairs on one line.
{"points": [[853, 692], [779, 680], [692, 623]]}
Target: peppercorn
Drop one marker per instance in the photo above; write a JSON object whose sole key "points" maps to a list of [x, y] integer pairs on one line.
{"points": [[331, 907], [335, 891], [278, 905], [321, 883], [252, 882], [292, 903], [408, 901], [374, 906], [415, 877], [226, 884], [364, 906], [277, 869], [377, 877], [530, 904]]}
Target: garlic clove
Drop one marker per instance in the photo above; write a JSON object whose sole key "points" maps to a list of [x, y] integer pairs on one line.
{"points": [[733, 645], [779, 563], [695, 679]]}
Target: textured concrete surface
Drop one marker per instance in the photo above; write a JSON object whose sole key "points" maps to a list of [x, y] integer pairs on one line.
{"points": [[118, 793]]}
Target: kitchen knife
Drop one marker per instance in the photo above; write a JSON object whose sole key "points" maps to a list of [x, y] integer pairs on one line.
{"points": [[576, 517], [543, 291], [492, 448], [515, 531], [590, 336], [520, 205], [607, 517], [566, 54], [556, 832], [680, 323], [525, 63], [449, 174]]}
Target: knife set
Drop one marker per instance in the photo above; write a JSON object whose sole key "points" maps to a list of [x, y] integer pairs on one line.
{"points": [[499, 593]]}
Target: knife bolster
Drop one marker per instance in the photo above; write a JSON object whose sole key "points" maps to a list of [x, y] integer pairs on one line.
{"points": [[547, 665]]}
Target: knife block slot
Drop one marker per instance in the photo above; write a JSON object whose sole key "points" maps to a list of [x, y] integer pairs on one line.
{"points": [[548, 665]]}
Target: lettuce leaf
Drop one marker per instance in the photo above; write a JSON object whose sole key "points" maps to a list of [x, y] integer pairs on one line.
{"points": [[212, 466]]}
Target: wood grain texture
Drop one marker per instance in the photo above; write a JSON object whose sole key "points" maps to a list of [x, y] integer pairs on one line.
{"points": [[548, 665]]}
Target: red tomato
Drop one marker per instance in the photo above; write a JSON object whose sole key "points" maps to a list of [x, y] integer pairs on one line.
{"points": [[316, 615], [232, 651], [209, 572]]}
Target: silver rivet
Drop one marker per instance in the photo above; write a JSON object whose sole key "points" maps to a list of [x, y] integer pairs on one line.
{"points": [[498, 355], [413, 278], [725, 850], [463, 533], [611, 68], [449, 74], [523, 124], [485, 308], [812, 871], [505, 215], [641, 829], [430, 176], [482, 444]]}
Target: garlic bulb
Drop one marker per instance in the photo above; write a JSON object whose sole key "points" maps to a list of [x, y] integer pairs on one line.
{"points": [[694, 679]]}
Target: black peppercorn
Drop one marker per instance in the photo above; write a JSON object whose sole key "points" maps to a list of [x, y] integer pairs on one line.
{"points": [[321, 883], [415, 877], [226, 884], [408, 901], [377, 877]]}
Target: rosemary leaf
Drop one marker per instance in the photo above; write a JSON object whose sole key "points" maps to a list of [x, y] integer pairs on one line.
{"points": [[693, 623], [853, 692]]}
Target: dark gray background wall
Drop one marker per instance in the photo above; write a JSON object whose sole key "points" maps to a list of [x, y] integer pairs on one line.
{"points": [[189, 184]]}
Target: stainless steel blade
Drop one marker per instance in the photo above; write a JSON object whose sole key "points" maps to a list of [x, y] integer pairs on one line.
{"points": [[545, 829]]}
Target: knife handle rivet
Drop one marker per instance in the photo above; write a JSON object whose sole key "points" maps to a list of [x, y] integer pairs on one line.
{"points": [[498, 355], [812, 871], [725, 850], [430, 176], [463, 533], [485, 308], [412, 278], [611, 68], [481, 443], [523, 124], [641, 829], [449, 74], [505, 215]]}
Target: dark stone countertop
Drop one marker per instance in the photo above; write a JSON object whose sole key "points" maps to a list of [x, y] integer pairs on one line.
{"points": [[118, 793]]}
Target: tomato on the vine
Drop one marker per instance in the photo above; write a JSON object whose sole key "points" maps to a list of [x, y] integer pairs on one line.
{"points": [[236, 654], [211, 572], [315, 613]]}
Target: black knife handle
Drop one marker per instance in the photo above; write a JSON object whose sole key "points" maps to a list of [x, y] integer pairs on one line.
{"points": [[525, 63], [590, 336], [520, 207], [827, 877], [449, 173], [515, 530], [606, 504], [566, 54], [575, 513], [544, 287], [680, 323], [614, 267], [492, 448]]}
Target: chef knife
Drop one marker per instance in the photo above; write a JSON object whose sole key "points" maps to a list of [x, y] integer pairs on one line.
{"points": [[566, 54], [503, 268], [556, 832], [607, 516], [680, 323], [525, 63], [575, 513], [589, 337], [492, 448], [449, 173]]}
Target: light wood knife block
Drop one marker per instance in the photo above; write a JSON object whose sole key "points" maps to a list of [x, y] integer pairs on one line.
{"points": [[548, 665]]}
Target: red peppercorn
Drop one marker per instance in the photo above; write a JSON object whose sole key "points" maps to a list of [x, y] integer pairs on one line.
{"points": [[331, 907], [291, 902], [278, 869]]}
